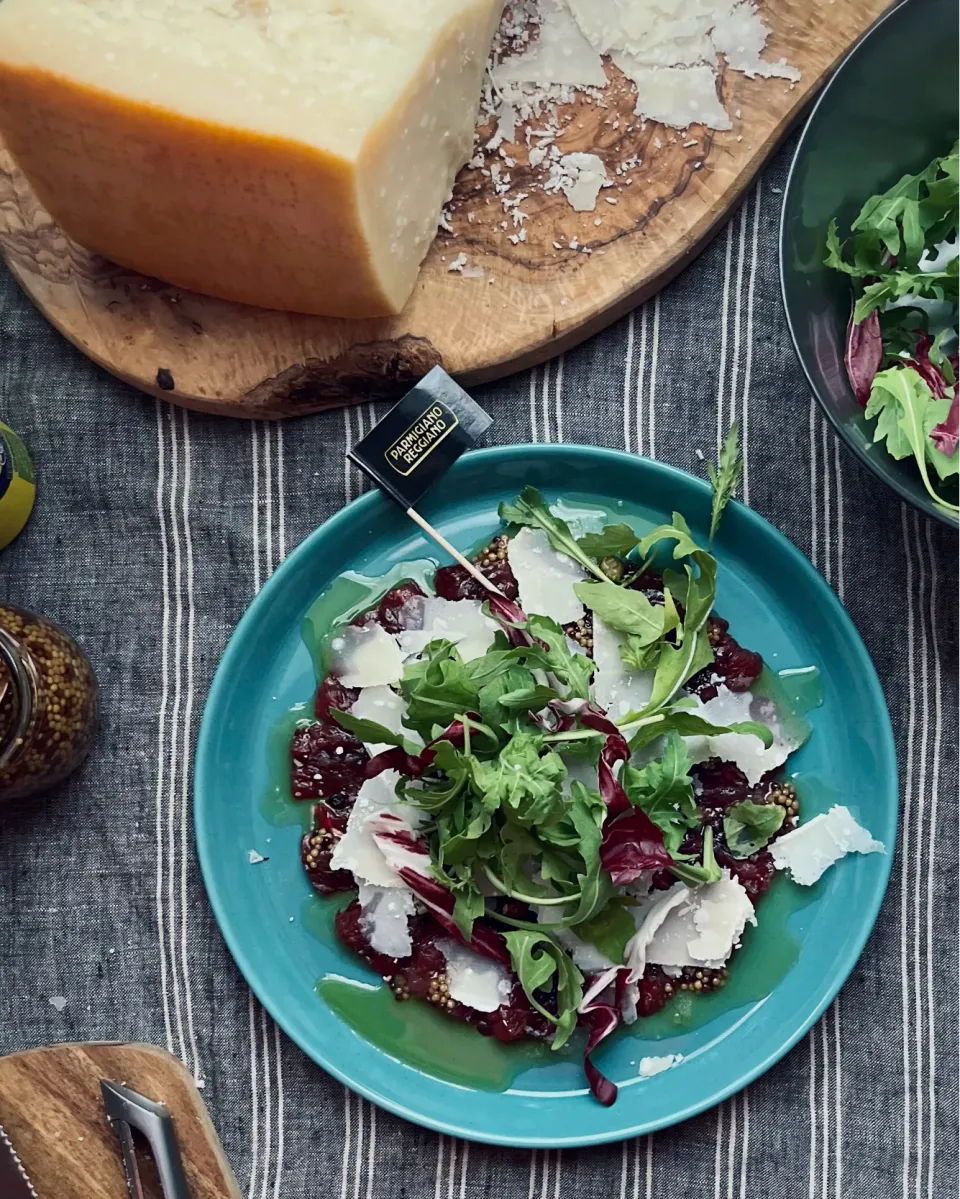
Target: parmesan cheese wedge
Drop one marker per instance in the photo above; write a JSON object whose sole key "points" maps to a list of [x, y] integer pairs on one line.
{"points": [[292, 154]]}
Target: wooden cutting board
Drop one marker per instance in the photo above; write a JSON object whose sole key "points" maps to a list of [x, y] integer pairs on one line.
{"points": [[530, 300], [50, 1107]]}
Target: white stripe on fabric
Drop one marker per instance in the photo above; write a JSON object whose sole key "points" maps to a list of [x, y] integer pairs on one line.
{"points": [[558, 398], [627, 369], [533, 1173], [254, 1098], [185, 774], [371, 1151], [920, 866], [162, 723], [533, 404], [638, 389], [175, 755], [546, 435], [748, 366], [737, 311], [267, 1074], [724, 322], [439, 1171], [905, 843], [278, 1172], [825, 1109], [652, 383], [934, 796], [347, 1130]]}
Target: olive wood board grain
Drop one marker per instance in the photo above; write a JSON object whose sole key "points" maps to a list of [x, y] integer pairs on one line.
{"points": [[52, 1111], [532, 301]]}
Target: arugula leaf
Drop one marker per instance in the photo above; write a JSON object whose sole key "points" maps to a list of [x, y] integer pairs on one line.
{"points": [[609, 929], [536, 958], [664, 790], [928, 285], [613, 541], [572, 669], [628, 611], [725, 477], [517, 846], [366, 730], [689, 724], [906, 412], [694, 875], [438, 689], [636, 655], [529, 509], [748, 826], [896, 226], [522, 783], [468, 906], [676, 666]]}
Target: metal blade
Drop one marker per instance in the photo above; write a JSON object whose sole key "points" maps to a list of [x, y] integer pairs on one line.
{"points": [[14, 1183]]}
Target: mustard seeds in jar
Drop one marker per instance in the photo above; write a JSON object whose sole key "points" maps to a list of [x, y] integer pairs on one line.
{"points": [[48, 703]]}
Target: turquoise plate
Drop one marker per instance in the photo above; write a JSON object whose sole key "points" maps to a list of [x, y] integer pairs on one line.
{"points": [[775, 601]]}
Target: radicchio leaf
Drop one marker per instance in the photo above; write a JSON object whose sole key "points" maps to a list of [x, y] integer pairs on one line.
{"points": [[926, 369], [511, 618], [864, 354], [601, 1019], [632, 845], [413, 765], [615, 749], [946, 435]]}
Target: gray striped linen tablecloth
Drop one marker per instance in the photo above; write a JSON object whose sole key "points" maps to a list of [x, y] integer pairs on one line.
{"points": [[154, 528]]}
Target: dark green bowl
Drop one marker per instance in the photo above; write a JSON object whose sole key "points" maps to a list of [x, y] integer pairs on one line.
{"points": [[889, 109]]}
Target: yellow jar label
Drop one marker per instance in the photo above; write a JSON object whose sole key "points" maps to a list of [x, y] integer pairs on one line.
{"points": [[17, 486]]}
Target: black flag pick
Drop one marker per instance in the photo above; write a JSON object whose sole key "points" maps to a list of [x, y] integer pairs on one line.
{"points": [[417, 442]]}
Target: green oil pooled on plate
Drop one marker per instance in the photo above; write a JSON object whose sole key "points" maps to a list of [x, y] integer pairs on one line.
{"points": [[348, 596], [277, 805], [415, 1033]]}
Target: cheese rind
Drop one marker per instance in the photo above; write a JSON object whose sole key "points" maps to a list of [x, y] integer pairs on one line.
{"points": [[292, 155]]}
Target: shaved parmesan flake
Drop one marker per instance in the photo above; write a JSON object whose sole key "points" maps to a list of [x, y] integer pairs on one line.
{"points": [[366, 656], [474, 980], [459, 621], [743, 749], [545, 577], [580, 178], [560, 55], [616, 688], [678, 96], [386, 707], [385, 918], [807, 851], [653, 916], [649, 1066], [357, 850], [739, 35], [706, 929]]}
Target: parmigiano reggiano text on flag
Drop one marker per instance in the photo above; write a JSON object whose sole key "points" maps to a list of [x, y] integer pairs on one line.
{"points": [[420, 438]]}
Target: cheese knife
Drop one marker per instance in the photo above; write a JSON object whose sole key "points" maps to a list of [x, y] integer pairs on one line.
{"points": [[127, 1110], [14, 1183]]}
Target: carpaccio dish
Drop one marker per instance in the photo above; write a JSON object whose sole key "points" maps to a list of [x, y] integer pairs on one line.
{"points": [[560, 803]]}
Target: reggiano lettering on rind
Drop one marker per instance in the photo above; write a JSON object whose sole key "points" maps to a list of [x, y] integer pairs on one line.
{"points": [[293, 154]]}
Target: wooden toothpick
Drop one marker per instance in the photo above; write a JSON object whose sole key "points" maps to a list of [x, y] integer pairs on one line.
{"points": [[454, 553]]}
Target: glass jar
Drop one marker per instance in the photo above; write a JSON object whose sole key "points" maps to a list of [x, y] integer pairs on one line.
{"points": [[48, 704]]}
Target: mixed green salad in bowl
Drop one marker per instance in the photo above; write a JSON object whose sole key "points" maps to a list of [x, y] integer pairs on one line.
{"points": [[555, 799], [868, 254], [901, 348]]}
